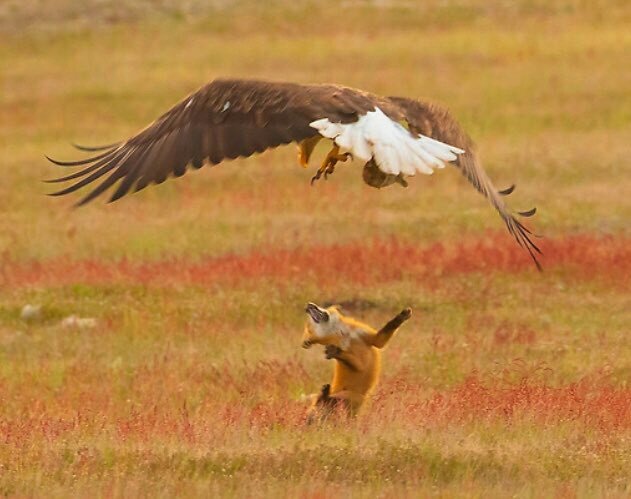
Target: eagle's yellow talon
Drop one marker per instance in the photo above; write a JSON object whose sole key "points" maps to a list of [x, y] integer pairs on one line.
{"points": [[305, 148], [328, 165], [303, 159]]}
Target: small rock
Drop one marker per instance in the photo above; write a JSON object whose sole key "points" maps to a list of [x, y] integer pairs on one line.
{"points": [[73, 321], [31, 312]]}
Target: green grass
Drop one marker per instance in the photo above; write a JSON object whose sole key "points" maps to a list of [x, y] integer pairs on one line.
{"points": [[505, 382]]}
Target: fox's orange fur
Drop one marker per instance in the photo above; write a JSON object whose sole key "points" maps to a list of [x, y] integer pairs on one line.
{"points": [[356, 348]]}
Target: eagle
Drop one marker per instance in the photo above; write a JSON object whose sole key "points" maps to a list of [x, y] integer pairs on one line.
{"points": [[394, 137]]}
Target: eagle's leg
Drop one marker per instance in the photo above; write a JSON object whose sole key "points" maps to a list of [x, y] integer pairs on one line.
{"points": [[305, 148], [328, 165]]}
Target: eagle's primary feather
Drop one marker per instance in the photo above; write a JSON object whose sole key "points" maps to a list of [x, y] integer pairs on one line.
{"points": [[429, 119], [227, 119]]}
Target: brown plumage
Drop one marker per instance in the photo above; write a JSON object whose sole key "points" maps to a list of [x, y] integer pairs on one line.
{"points": [[429, 119], [227, 119]]}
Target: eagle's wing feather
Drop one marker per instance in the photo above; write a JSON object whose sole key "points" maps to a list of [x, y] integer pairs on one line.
{"points": [[225, 119], [436, 122]]}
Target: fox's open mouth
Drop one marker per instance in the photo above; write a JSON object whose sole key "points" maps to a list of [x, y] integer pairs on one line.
{"points": [[316, 313]]}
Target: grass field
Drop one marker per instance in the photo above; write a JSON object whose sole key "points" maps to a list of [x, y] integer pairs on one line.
{"points": [[505, 382]]}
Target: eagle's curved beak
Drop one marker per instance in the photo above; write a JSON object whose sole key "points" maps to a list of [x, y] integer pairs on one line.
{"points": [[317, 314]]}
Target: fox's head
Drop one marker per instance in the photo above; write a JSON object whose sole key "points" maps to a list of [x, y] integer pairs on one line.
{"points": [[324, 327]]}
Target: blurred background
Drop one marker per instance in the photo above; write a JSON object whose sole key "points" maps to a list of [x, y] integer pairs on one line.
{"points": [[160, 352]]}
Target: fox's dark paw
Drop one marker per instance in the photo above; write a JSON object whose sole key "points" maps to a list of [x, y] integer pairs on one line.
{"points": [[325, 392], [332, 351], [405, 314]]}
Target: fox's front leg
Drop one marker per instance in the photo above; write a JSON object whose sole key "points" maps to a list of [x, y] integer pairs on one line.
{"points": [[347, 358], [385, 333]]}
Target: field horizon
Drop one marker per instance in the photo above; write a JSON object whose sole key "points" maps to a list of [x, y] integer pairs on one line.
{"points": [[151, 347]]}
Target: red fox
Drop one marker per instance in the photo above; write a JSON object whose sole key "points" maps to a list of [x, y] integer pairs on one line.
{"points": [[356, 349]]}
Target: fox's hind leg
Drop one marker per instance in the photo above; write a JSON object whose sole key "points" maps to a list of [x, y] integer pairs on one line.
{"points": [[327, 404]]}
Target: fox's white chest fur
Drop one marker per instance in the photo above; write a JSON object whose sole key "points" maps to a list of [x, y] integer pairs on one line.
{"points": [[334, 327]]}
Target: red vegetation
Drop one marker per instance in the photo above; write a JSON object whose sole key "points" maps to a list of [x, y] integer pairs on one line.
{"points": [[207, 406], [361, 262], [590, 403], [506, 334]]}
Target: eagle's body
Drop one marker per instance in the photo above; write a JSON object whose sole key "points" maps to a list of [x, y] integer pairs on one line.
{"points": [[395, 137]]}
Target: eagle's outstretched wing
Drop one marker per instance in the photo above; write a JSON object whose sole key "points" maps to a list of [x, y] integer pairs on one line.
{"points": [[223, 120], [436, 122], [230, 118]]}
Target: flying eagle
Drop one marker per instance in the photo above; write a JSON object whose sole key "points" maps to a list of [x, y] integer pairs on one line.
{"points": [[395, 137]]}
